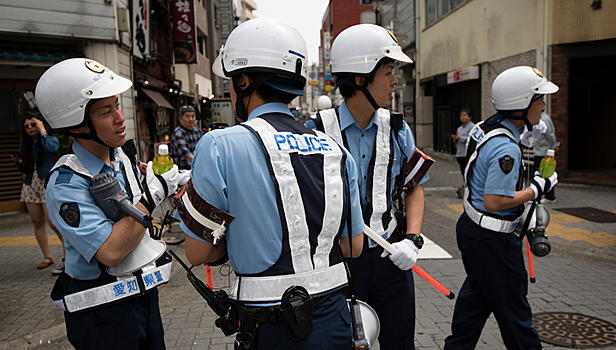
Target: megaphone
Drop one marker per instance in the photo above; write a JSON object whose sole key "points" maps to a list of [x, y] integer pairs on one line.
{"points": [[146, 252], [365, 317]]}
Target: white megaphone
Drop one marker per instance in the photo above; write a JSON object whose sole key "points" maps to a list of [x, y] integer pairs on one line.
{"points": [[368, 319], [146, 252]]}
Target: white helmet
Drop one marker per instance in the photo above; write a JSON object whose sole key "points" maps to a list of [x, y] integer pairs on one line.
{"points": [[324, 102], [65, 89], [265, 45], [359, 48], [514, 88]]}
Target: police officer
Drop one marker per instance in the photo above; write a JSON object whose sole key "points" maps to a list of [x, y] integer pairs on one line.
{"points": [[102, 311], [362, 60], [281, 200], [496, 279]]}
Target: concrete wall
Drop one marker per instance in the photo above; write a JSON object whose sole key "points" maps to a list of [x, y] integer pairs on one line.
{"points": [[479, 31]]}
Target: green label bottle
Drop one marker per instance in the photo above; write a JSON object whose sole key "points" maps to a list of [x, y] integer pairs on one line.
{"points": [[548, 165], [162, 162]]}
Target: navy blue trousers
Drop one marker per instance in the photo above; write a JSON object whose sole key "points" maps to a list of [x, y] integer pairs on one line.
{"points": [[391, 293], [331, 329], [134, 324], [496, 283]]}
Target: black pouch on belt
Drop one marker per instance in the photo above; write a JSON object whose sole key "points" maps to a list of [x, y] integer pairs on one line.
{"points": [[295, 312]]}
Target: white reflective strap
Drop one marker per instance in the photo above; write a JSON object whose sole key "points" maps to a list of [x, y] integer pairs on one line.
{"points": [[331, 126], [123, 288], [290, 195], [334, 205], [393, 223], [379, 176], [154, 276], [485, 221], [86, 299], [488, 222], [133, 183], [271, 288], [71, 161]]}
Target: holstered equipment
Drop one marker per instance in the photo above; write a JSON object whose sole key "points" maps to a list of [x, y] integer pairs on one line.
{"points": [[295, 312]]}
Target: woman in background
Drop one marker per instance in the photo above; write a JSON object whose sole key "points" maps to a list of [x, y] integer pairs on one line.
{"points": [[37, 155]]}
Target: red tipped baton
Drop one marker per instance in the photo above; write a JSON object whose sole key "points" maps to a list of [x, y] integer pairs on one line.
{"points": [[531, 266], [208, 274], [391, 249]]}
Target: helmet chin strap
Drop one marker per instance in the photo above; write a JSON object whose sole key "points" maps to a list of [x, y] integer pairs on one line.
{"points": [[364, 89], [240, 110], [524, 117]]}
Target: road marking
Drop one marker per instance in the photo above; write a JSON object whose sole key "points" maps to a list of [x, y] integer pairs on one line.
{"points": [[431, 250], [23, 241], [571, 234]]}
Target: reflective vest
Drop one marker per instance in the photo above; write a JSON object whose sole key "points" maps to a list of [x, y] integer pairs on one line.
{"points": [[379, 214], [108, 289], [479, 135], [298, 157]]}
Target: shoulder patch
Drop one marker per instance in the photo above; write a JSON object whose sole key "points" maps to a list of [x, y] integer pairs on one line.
{"points": [[506, 164], [69, 212], [64, 176]]}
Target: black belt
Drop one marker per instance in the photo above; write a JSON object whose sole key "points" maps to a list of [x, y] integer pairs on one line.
{"points": [[266, 314]]}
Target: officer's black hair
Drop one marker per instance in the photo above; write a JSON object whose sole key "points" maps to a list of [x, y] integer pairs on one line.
{"points": [[269, 94]]}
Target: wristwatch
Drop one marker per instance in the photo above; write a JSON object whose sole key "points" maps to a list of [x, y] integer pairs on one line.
{"points": [[415, 238]]}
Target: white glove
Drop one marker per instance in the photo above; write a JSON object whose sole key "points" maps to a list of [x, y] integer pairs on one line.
{"points": [[405, 256], [158, 187], [540, 185], [525, 137], [184, 177]]}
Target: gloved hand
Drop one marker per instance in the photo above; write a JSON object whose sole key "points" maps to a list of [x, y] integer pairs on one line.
{"points": [[541, 185], [405, 256], [158, 187], [184, 177], [537, 131]]}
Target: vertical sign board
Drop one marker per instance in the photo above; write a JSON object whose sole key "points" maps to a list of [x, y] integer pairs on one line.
{"points": [[184, 33], [141, 34]]}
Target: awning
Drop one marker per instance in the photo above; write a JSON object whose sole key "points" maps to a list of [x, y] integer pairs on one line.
{"points": [[157, 98]]}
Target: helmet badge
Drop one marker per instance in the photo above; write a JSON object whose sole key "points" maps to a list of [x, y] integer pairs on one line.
{"points": [[392, 35], [95, 66], [538, 72]]}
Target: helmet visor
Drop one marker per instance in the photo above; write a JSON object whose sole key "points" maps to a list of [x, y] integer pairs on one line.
{"points": [[545, 87], [217, 66], [395, 52]]}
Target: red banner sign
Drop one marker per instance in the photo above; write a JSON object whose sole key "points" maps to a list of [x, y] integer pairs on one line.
{"points": [[184, 33]]}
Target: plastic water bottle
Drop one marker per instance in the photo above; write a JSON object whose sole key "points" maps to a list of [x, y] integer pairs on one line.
{"points": [[162, 162], [548, 165]]}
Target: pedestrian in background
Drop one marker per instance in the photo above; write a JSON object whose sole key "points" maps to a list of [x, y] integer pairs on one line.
{"points": [[184, 138], [545, 141], [496, 280], [461, 137], [363, 58], [284, 196], [37, 155]]}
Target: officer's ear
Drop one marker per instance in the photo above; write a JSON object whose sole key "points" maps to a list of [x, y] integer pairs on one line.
{"points": [[360, 81]]}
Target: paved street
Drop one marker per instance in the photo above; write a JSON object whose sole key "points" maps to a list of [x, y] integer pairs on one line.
{"points": [[578, 276]]}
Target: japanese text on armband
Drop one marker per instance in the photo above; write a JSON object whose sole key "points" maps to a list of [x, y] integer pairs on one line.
{"points": [[304, 144]]}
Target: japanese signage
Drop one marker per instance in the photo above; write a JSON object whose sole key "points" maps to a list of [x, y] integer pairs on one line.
{"points": [[184, 31], [141, 25]]}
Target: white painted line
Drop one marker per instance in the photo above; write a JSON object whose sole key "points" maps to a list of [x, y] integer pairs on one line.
{"points": [[432, 250]]}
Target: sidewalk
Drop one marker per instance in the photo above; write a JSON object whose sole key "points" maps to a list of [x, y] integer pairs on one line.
{"points": [[578, 276]]}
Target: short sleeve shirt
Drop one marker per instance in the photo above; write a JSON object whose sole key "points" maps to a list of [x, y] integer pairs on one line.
{"points": [[490, 173], [82, 223], [231, 173]]}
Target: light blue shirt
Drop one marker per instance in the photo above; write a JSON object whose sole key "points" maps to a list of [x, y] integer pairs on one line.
{"points": [[229, 171], [488, 177], [81, 242], [361, 144]]}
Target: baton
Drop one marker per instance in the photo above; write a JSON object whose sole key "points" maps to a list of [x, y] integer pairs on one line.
{"points": [[391, 249], [531, 266]]}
